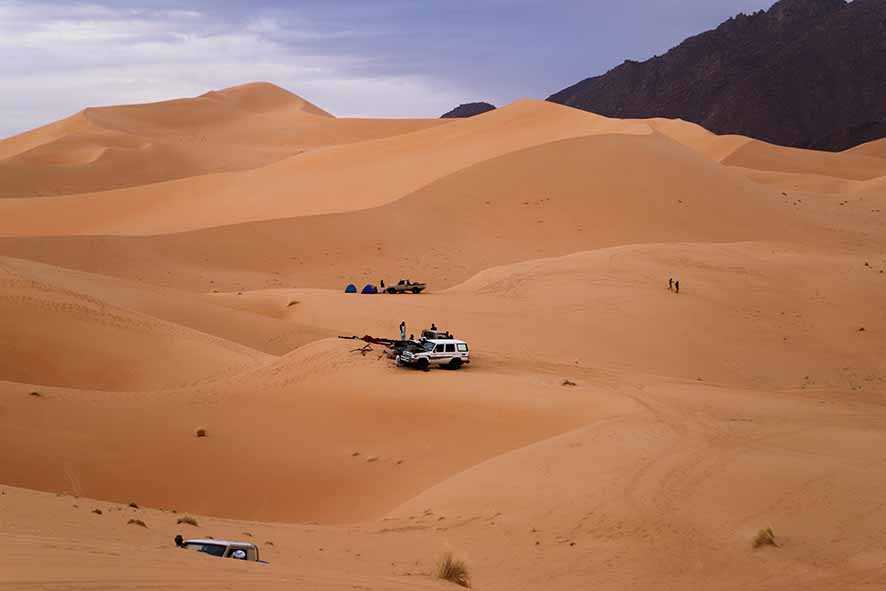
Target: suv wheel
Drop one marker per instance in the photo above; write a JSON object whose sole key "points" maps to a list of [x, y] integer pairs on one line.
{"points": [[423, 364], [455, 364], [416, 290]]}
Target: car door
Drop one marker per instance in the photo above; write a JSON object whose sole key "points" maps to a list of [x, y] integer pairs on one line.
{"points": [[439, 354]]}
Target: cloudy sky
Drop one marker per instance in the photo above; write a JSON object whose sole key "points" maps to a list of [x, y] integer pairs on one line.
{"points": [[352, 57]]}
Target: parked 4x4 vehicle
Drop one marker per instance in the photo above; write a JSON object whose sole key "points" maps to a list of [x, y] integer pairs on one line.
{"points": [[406, 286], [446, 352], [223, 548]]}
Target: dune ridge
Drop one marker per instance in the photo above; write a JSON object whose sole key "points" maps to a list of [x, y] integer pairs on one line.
{"points": [[102, 149]]}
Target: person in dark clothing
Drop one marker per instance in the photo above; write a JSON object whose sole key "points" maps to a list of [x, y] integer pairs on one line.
{"points": [[671, 283], [179, 541], [403, 331], [382, 284], [677, 286], [433, 326]]}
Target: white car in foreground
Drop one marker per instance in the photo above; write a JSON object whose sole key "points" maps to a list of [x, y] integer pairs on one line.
{"points": [[450, 353], [223, 548]]}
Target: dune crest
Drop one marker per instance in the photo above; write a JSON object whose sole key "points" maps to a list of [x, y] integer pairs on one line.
{"points": [[102, 149]]}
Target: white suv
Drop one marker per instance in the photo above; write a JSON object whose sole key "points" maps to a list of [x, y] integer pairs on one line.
{"points": [[450, 353], [222, 548]]}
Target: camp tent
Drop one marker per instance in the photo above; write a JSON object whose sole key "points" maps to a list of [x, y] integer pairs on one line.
{"points": [[369, 289], [351, 288]]}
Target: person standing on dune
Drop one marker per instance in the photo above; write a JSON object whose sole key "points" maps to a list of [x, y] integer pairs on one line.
{"points": [[403, 331], [671, 284], [677, 286]]}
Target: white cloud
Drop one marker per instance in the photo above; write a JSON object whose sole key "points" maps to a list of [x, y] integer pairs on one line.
{"points": [[59, 59]]}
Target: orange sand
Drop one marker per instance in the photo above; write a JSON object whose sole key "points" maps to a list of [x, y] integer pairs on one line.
{"points": [[180, 265]]}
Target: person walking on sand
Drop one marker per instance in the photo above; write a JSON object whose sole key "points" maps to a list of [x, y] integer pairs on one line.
{"points": [[671, 284], [677, 286], [403, 331]]}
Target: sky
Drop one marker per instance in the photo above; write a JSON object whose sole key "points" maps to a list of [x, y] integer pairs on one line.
{"points": [[378, 58]]}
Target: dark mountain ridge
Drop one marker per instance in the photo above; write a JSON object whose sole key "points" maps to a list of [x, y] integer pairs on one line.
{"points": [[468, 110], [805, 73]]}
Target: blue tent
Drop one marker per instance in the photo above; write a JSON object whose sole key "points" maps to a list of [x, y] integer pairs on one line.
{"points": [[369, 289], [351, 288]]}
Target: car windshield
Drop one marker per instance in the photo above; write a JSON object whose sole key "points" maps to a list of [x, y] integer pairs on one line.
{"points": [[214, 549]]}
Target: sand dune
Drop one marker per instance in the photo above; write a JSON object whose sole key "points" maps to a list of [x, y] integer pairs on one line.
{"points": [[876, 148], [184, 269], [240, 128], [609, 299], [713, 146], [58, 336], [191, 310], [553, 199], [380, 172], [848, 165], [301, 460]]}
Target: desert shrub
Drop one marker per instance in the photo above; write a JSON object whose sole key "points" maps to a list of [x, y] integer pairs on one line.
{"points": [[97, 511], [201, 432], [765, 537], [187, 520], [568, 383], [137, 522], [454, 571], [134, 505]]}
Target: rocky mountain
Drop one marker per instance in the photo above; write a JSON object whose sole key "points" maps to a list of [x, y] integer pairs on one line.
{"points": [[468, 110], [805, 73]]}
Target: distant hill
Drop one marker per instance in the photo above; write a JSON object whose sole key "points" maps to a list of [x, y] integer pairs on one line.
{"points": [[468, 110], [805, 73]]}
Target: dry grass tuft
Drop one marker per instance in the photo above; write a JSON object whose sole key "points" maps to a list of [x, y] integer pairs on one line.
{"points": [[137, 522], [134, 505], [293, 303], [454, 571], [201, 432], [187, 520], [765, 537], [97, 511], [36, 394], [568, 383]]}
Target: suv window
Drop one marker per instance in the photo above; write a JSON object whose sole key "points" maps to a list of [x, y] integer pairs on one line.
{"points": [[450, 348], [439, 348], [463, 347], [214, 549]]}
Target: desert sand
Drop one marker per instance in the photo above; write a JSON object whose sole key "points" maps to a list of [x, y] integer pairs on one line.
{"points": [[180, 266]]}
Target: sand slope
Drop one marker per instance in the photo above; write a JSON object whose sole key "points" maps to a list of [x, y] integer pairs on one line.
{"points": [[848, 165], [301, 460], [380, 172], [240, 128], [608, 434], [549, 200], [876, 148], [56, 335]]}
